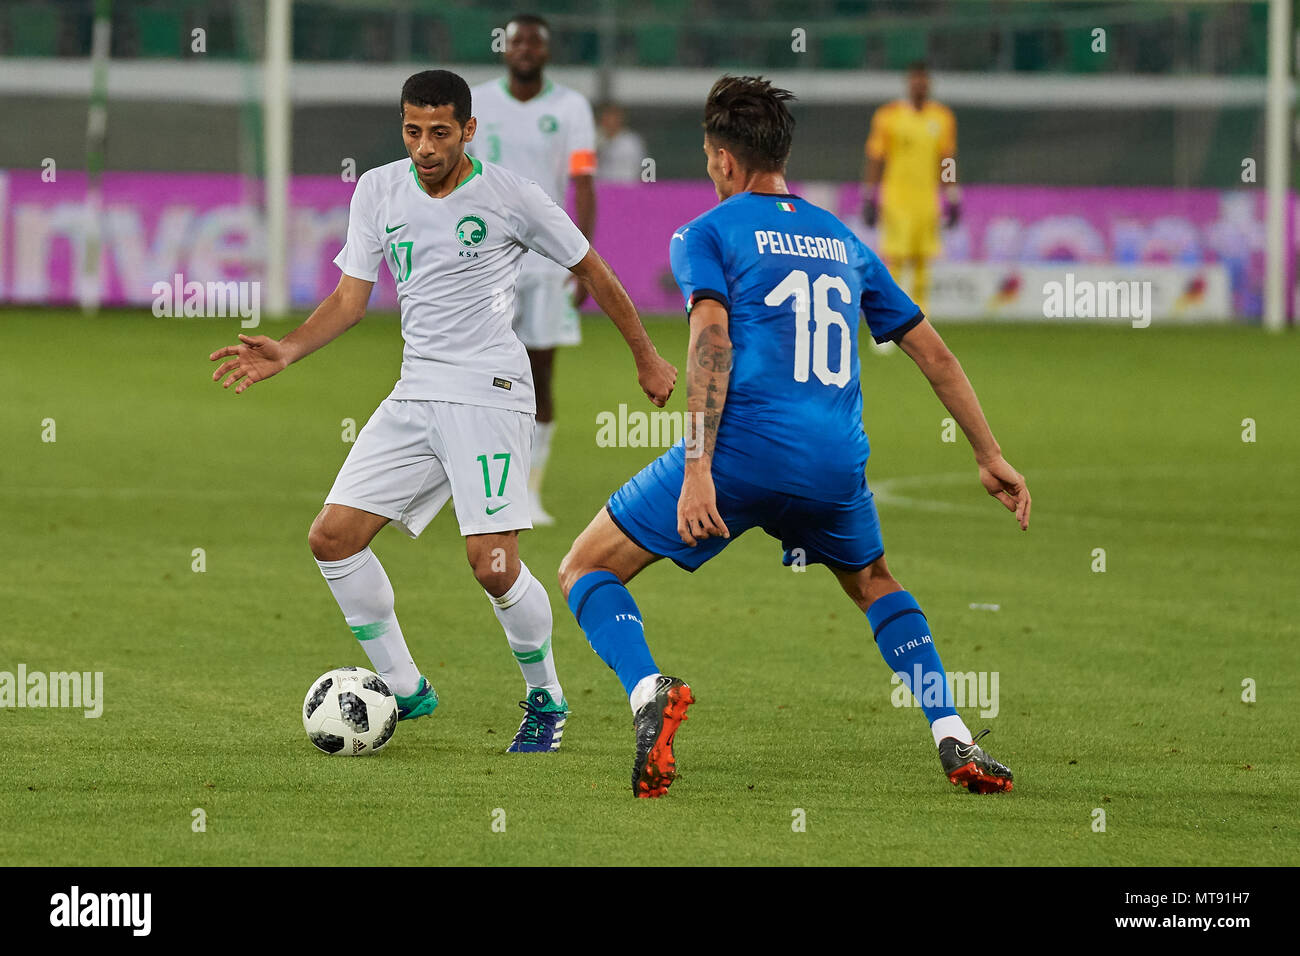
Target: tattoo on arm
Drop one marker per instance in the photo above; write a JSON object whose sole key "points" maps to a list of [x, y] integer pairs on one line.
{"points": [[706, 387]]}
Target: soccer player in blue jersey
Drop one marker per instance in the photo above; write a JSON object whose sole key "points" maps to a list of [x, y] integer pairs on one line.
{"points": [[774, 287]]}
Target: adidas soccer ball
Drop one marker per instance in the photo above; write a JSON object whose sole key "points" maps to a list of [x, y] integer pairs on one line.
{"points": [[349, 712]]}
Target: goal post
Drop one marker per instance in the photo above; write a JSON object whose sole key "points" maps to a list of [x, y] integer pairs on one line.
{"points": [[1277, 162], [277, 118]]}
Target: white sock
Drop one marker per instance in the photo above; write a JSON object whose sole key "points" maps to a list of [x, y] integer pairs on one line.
{"points": [[643, 692], [952, 726], [366, 598], [525, 613], [542, 432]]}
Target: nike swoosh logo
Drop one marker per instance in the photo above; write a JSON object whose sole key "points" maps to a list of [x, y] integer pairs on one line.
{"points": [[393, 228], [492, 511], [680, 235], [965, 753]]}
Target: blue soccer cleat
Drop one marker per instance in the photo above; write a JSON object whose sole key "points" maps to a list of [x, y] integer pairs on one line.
{"points": [[420, 704], [543, 724]]}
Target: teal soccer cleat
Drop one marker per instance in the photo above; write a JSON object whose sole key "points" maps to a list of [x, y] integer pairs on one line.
{"points": [[420, 704]]}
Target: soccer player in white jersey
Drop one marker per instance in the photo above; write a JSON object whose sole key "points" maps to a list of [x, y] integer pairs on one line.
{"points": [[544, 132], [453, 231]]}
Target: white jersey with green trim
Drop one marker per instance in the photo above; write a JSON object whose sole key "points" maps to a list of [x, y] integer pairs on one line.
{"points": [[547, 139], [456, 261]]}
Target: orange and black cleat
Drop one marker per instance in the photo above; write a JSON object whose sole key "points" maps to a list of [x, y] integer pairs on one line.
{"points": [[656, 724], [967, 765]]}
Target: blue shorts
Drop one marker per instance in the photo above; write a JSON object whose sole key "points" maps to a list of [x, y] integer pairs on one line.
{"points": [[842, 534]]}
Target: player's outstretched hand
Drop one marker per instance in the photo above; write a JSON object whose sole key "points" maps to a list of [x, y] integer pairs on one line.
{"points": [[657, 376], [1008, 486], [256, 358], [697, 509]]}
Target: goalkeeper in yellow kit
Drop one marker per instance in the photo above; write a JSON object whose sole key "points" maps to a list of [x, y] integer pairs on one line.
{"points": [[911, 152]]}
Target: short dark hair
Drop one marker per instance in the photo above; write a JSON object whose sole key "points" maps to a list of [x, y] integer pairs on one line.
{"points": [[530, 20], [748, 116], [439, 88], [918, 66]]}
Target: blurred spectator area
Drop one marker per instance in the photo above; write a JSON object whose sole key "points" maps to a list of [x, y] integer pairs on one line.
{"points": [[1070, 133], [1006, 35]]}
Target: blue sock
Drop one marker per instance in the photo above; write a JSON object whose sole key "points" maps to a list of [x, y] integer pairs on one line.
{"points": [[903, 637], [610, 619]]}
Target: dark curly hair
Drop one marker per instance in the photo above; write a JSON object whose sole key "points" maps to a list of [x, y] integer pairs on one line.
{"points": [[747, 115]]}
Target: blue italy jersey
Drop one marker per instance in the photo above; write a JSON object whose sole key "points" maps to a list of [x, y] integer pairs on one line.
{"points": [[794, 281]]}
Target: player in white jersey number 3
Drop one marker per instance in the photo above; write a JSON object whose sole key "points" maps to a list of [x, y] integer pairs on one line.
{"points": [[458, 425], [543, 131]]}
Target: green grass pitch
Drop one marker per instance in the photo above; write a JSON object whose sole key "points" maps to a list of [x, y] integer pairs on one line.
{"points": [[1119, 691]]}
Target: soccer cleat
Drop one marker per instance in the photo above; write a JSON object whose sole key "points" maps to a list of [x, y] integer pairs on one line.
{"points": [[967, 765], [419, 704], [656, 724], [543, 724]]}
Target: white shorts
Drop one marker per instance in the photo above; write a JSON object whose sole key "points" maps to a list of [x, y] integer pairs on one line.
{"points": [[412, 456], [544, 312]]}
